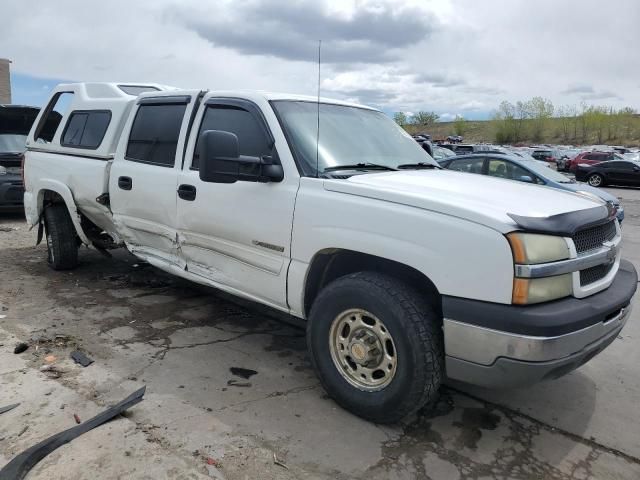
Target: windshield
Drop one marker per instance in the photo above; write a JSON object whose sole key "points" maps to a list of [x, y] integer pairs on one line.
{"points": [[348, 136], [12, 143], [546, 172]]}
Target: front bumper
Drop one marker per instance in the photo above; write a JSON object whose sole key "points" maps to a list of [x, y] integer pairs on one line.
{"points": [[503, 346]]}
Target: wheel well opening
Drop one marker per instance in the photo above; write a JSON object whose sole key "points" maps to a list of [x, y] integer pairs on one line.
{"points": [[49, 197], [329, 265]]}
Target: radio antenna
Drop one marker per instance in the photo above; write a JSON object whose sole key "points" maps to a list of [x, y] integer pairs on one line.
{"points": [[318, 113]]}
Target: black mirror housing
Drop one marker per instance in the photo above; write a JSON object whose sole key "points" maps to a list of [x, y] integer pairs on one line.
{"points": [[219, 155], [221, 162]]}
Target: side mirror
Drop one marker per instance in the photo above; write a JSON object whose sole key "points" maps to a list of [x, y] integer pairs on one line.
{"points": [[221, 162], [636, 169], [525, 178]]}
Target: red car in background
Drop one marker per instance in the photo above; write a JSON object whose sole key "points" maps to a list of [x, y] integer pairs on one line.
{"points": [[589, 158]]}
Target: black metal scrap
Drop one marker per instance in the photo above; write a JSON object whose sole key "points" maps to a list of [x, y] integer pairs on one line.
{"points": [[18, 468], [8, 407]]}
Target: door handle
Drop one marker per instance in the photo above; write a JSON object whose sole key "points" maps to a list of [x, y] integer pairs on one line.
{"points": [[125, 183], [187, 192]]}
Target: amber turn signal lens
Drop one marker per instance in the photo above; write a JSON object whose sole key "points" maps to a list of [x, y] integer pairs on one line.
{"points": [[520, 291], [517, 248]]}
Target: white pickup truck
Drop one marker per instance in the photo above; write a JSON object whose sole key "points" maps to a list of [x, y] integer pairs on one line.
{"points": [[406, 274]]}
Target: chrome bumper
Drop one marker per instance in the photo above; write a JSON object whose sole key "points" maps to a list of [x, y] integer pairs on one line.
{"points": [[493, 358]]}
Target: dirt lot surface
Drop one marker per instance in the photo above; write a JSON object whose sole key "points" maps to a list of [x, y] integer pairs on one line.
{"points": [[199, 420]]}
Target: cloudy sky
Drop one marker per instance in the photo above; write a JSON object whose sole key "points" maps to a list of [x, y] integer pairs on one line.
{"points": [[450, 56]]}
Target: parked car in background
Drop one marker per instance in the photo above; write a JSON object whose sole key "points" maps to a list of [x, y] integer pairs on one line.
{"points": [[590, 158], [546, 155], [421, 137], [440, 153], [615, 172], [514, 168], [465, 149], [621, 150], [564, 156], [15, 123]]}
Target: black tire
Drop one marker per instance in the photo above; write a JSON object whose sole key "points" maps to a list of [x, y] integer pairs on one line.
{"points": [[62, 240], [416, 332], [595, 180]]}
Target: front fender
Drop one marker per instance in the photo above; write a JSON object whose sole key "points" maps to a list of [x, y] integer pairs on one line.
{"points": [[34, 204]]}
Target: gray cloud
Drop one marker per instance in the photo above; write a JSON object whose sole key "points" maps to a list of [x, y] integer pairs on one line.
{"points": [[370, 96], [600, 95], [290, 30], [578, 88], [438, 79]]}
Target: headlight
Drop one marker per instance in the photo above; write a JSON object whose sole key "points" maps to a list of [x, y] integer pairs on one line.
{"points": [[531, 249], [535, 290]]}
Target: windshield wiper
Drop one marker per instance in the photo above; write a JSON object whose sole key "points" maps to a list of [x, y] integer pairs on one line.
{"points": [[359, 166], [419, 165]]}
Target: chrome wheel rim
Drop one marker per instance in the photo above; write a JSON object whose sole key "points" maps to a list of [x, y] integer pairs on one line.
{"points": [[595, 181], [363, 350]]}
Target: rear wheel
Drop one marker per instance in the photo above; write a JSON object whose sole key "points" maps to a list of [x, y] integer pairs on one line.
{"points": [[377, 346], [595, 180], [62, 240]]}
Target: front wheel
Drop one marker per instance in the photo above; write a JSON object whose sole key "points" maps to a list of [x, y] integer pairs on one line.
{"points": [[376, 345], [595, 180]]}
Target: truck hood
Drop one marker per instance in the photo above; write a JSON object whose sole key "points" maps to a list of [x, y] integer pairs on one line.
{"points": [[484, 200]]}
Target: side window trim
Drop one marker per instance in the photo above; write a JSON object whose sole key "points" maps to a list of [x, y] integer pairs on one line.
{"points": [[250, 107], [168, 100], [87, 112]]}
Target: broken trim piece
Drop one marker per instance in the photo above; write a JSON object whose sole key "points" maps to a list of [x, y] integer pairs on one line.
{"points": [[8, 407], [18, 468]]}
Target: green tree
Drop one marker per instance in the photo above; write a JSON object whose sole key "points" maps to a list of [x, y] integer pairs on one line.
{"points": [[540, 110], [504, 122], [400, 118], [424, 119], [459, 125]]}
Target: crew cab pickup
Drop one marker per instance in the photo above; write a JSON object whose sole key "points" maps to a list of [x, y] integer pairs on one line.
{"points": [[405, 274]]}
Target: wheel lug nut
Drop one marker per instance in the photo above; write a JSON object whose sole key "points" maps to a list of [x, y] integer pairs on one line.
{"points": [[374, 351], [370, 340]]}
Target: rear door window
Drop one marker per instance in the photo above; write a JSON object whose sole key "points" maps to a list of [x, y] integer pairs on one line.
{"points": [[86, 129], [155, 133]]}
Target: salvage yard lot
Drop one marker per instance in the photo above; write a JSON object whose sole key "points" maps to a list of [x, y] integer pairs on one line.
{"points": [[198, 420]]}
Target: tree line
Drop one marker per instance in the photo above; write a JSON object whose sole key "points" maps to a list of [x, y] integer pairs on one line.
{"points": [[424, 119], [538, 119]]}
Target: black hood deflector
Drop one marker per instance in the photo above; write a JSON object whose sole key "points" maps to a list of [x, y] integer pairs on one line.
{"points": [[566, 224]]}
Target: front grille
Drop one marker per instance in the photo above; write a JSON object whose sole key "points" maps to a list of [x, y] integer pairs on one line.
{"points": [[592, 238], [593, 274]]}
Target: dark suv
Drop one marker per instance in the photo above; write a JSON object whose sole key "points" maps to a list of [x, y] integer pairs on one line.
{"points": [[15, 123]]}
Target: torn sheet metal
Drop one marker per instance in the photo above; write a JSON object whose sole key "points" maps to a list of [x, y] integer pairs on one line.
{"points": [[19, 467]]}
